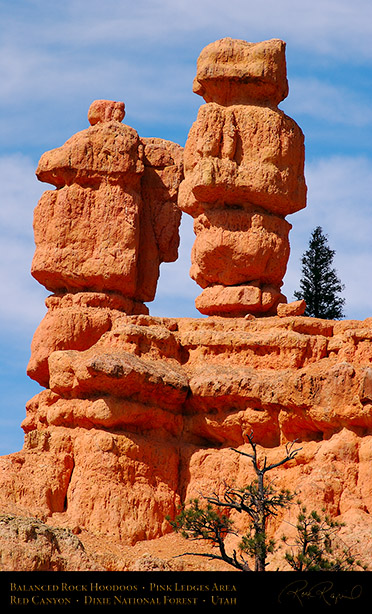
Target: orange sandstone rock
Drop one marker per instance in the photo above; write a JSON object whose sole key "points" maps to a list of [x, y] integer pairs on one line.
{"points": [[101, 235], [244, 171], [238, 300], [232, 246], [75, 322], [106, 173], [145, 417], [140, 413], [296, 308], [105, 111], [28, 544], [231, 71], [159, 236]]}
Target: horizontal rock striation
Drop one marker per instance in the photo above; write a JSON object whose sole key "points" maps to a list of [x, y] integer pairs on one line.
{"points": [[244, 172], [112, 218], [145, 418], [140, 413]]}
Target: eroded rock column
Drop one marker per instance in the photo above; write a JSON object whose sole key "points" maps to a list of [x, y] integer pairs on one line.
{"points": [[101, 447], [244, 172], [102, 233]]}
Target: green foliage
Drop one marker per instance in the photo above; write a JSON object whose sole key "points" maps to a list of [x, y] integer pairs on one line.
{"points": [[256, 545], [316, 547], [206, 523], [261, 503], [319, 285], [258, 500]]}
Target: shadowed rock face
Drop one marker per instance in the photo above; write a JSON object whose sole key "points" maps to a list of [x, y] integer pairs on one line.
{"points": [[244, 172], [145, 418]]}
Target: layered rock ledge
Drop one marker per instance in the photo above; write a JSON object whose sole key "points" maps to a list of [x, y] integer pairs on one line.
{"points": [[139, 413], [146, 417]]}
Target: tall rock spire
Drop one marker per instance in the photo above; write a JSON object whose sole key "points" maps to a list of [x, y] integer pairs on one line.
{"points": [[102, 233], [244, 172]]}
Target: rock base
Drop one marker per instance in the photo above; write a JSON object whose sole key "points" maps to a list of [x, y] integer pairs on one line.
{"points": [[146, 418]]}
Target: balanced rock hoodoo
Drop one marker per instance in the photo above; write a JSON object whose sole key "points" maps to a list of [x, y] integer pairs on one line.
{"points": [[139, 413], [102, 234], [244, 172]]}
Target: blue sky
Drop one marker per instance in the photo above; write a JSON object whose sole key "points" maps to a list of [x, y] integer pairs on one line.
{"points": [[57, 57]]}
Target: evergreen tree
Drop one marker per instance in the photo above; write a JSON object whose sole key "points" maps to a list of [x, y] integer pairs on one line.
{"points": [[316, 547], [259, 500], [319, 285]]}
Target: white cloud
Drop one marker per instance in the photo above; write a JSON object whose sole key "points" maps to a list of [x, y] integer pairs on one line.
{"points": [[339, 199], [51, 51], [24, 308], [56, 57], [340, 195], [336, 27], [19, 193], [176, 290], [45, 96]]}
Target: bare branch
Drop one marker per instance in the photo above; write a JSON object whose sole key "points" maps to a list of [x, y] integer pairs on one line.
{"points": [[258, 500]]}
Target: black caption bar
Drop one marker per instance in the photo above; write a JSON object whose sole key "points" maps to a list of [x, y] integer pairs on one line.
{"points": [[228, 592]]}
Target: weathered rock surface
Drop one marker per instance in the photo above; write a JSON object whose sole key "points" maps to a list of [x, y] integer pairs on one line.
{"points": [[105, 111], [141, 413], [101, 235], [224, 66], [145, 418], [296, 308], [27, 544], [244, 172], [113, 217]]}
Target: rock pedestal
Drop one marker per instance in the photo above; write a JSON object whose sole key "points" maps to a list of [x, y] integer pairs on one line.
{"points": [[244, 172], [146, 417]]}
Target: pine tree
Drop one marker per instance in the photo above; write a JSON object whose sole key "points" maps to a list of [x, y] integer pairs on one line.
{"points": [[259, 500], [319, 285], [317, 546]]}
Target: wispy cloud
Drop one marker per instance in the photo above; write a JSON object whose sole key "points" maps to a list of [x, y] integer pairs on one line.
{"points": [[325, 101], [339, 199], [22, 306], [56, 58], [19, 193], [333, 27], [176, 291]]}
